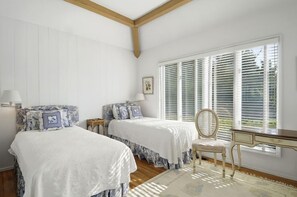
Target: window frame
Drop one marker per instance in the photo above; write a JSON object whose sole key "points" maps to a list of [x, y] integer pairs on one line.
{"points": [[237, 110]]}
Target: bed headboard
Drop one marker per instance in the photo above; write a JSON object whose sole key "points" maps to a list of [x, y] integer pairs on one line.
{"points": [[72, 113], [107, 113]]}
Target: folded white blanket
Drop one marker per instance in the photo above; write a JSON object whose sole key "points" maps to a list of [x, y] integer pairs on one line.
{"points": [[168, 138], [71, 162]]}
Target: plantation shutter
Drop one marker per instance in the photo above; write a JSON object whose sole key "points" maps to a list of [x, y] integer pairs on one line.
{"points": [[252, 87], [188, 91], [259, 89], [222, 92], [199, 84], [171, 78], [272, 50]]}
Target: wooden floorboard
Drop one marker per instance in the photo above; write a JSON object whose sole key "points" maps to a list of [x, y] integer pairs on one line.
{"points": [[145, 171], [1, 187], [8, 184]]}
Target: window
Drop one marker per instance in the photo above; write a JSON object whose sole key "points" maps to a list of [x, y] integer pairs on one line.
{"points": [[188, 90], [171, 92], [222, 92], [239, 83]]}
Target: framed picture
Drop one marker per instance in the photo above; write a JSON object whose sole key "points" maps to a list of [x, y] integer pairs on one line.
{"points": [[148, 85]]}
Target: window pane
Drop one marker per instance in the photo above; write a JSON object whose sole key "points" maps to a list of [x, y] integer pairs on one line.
{"points": [[252, 87], [273, 68], [199, 84], [222, 92], [188, 91], [171, 92]]}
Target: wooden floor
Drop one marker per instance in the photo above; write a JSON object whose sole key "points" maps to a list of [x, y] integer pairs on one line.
{"points": [[144, 172], [7, 184]]}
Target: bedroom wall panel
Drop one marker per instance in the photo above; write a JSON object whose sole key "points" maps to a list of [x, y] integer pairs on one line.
{"points": [[32, 65], [7, 53], [51, 67], [7, 115], [20, 59], [86, 59], [72, 92], [63, 65], [44, 66]]}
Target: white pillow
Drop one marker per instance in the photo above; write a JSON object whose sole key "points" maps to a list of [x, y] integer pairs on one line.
{"points": [[115, 112]]}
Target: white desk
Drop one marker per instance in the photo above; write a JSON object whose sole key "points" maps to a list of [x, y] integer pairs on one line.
{"points": [[252, 137]]}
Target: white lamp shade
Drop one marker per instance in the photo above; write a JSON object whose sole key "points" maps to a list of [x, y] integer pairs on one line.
{"points": [[10, 96], [139, 97]]}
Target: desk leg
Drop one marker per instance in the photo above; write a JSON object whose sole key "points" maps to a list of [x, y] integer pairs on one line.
{"points": [[239, 156], [232, 158]]}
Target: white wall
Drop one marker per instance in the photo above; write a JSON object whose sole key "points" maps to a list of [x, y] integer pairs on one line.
{"points": [[66, 17], [51, 67], [280, 20]]}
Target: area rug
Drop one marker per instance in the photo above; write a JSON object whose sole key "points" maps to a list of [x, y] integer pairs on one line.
{"points": [[208, 182]]}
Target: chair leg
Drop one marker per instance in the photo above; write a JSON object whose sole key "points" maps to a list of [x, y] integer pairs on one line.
{"points": [[215, 159], [224, 159], [200, 156], [194, 159]]}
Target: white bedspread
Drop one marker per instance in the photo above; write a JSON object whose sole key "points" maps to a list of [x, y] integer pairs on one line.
{"points": [[168, 138], [71, 162]]}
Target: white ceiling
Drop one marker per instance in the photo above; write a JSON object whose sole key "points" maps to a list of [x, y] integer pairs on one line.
{"points": [[132, 9], [200, 15], [190, 19]]}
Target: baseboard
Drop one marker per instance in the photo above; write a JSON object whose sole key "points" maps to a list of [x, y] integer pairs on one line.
{"points": [[6, 168]]}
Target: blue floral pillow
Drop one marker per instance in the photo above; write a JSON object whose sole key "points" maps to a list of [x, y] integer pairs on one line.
{"points": [[33, 120], [116, 110], [51, 120], [123, 113], [135, 112]]}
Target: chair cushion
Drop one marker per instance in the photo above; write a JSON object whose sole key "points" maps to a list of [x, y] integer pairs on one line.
{"points": [[209, 145]]}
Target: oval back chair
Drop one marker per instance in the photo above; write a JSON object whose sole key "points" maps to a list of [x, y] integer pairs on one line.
{"points": [[207, 126]]}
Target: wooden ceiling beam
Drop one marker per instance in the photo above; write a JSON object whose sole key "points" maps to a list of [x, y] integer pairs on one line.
{"points": [[135, 39], [91, 6], [167, 7]]}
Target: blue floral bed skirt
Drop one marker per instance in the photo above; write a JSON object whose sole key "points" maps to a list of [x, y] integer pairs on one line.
{"points": [[153, 157], [122, 190]]}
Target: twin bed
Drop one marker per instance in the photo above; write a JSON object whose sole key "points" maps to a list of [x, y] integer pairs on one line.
{"points": [[162, 142], [70, 161]]}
